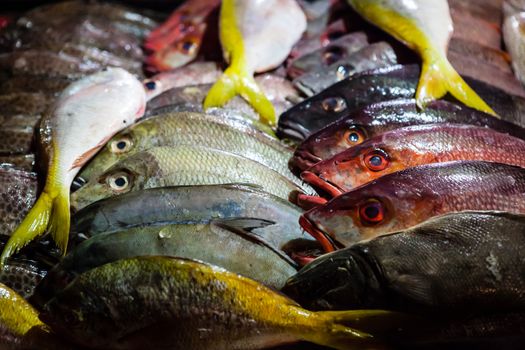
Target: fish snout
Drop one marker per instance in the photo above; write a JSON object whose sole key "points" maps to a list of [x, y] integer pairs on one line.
{"points": [[322, 237], [319, 183], [302, 160]]}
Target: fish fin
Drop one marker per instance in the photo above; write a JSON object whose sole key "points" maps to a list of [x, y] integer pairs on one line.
{"points": [[86, 156], [60, 221], [245, 226], [237, 81], [34, 224], [439, 77]]}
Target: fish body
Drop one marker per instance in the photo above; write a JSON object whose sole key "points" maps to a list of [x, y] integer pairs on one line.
{"points": [[455, 265], [23, 162], [242, 24], [22, 276], [513, 29], [373, 120], [384, 84], [192, 129], [225, 243], [379, 55], [25, 103], [180, 38], [425, 28], [181, 166], [404, 199], [71, 134], [411, 146], [324, 57], [164, 302], [192, 205]]}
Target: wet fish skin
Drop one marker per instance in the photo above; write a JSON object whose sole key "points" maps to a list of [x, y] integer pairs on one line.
{"points": [[453, 265], [192, 129], [195, 205], [22, 276], [513, 24], [379, 55], [180, 166], [415, 145], [236, 312], [337, 50], [30, 104], [23, 162], [409, 197], [397, 82], [375, 119], [32, 83]]}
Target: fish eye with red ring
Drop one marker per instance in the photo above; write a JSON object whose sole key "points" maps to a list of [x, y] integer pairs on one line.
{"points": [[377, 160], [372, 212], [353, 136]]}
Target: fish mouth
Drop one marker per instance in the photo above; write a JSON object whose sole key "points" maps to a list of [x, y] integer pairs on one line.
{"points": [[320, 183], [307, 202], [291, 131], [302, 160], [320, 236]]}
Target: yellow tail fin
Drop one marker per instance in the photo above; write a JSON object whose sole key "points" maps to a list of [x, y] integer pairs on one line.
{"points": [[50, 213], [238, 81], [439, 77]]}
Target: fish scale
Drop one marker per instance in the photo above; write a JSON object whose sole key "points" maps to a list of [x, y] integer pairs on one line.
{"points": [[180, 166], [418, 145], [414, 195]]}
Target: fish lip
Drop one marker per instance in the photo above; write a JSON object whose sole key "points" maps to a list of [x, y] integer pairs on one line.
{"points": [[308, 202], [303, 159], [320, 236], [289, 130], [322, 184]]}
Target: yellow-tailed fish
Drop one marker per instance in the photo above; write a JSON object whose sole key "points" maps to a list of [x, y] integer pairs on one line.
{"points": [[256, 36], [425, 27], [87, 114], [171, 303]]}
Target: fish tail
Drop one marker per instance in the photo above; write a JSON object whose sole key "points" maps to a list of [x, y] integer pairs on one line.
{"points": [[439, 77], [237, 81], [339, 329], [50, 213]]}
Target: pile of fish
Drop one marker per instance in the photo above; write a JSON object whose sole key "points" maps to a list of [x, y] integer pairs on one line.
{"points": [[255, 174]]}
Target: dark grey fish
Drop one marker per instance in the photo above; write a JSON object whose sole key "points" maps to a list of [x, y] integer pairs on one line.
{"points": [[29, 104], [24, 162], [374, 56], [33, 83]]}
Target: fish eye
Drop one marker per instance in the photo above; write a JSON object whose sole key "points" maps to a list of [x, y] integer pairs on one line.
{"points": [[119, 182], [121, 145], [354, 136], [150, 85], [334, 104], [188, 46], [332, 54], [372, 212], [344, 71], [377, 160]]}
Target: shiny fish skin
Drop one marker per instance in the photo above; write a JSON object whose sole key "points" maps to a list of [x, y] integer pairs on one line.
{"points": [[375, 86], [192, 129], [414, 195], [513, 34], [378, 118], [459, 264], [192, 204], [180, 166], [415, 145], [162, 302], [374, 56], [22, 276], [25, 103], [23, 162], [16, 140], [215, 243], [18, 194]]}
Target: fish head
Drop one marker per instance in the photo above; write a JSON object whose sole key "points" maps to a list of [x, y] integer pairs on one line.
{"points": [[312, 114], [128, 175], [180, 52], [379, 207], [124, 144]]}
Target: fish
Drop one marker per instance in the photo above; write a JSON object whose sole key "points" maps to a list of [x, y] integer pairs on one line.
{"points": [[317, 15], [473, 29], [25, 103], [179, 39], [18, 194], [33, 83], [425, 28], [248, 254], [495, 57], [513, 24], [241, 25], [197, 73], [406, 198], [22, 276], [70, 135], [411, 146], [201, 306], [192, 129], [338, 50], [181, 166], [279, 90], [192, 205], [373, 56], [16, 140], [450, 265], [23, 162], [488, 11], [384, 84], [378, 118]]}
